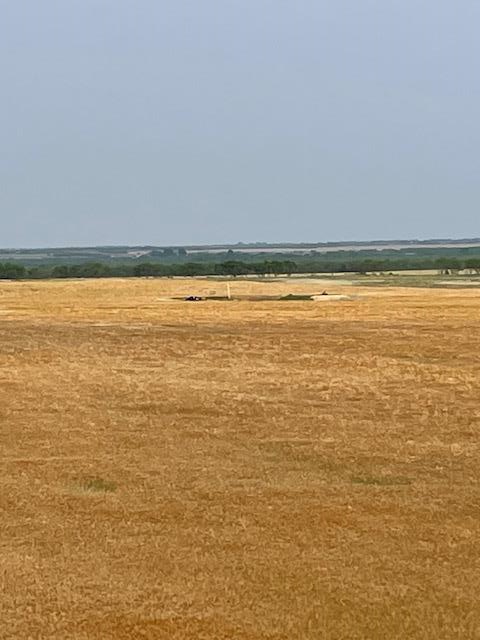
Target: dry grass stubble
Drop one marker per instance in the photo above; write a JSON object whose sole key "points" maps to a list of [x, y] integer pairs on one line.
{"points": [[243, 470]]}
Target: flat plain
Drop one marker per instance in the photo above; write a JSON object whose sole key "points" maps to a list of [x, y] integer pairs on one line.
{"points": [[245, 469]]}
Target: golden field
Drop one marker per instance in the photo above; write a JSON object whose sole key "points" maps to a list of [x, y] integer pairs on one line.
{"points": [[245, 470]]}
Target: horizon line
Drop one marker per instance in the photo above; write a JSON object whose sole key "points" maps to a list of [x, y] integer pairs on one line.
{"points": [[253, 243]]}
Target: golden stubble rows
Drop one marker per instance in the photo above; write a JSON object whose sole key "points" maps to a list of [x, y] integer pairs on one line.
{"points": [[244, 469]]}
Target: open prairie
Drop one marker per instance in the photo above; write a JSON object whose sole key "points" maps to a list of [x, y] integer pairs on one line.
{"points": [[251, 470]]}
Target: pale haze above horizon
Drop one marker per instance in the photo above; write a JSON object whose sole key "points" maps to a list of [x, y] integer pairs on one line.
{"points": [[184, 122]]}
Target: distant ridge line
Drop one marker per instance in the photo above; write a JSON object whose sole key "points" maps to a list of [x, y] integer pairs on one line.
{"points": [[258, 246]]}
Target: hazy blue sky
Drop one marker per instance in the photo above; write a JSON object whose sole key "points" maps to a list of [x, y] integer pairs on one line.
{"points": [[174, 121]]}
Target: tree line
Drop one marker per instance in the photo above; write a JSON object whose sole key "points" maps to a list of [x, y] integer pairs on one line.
{"points": [[15, 271]]}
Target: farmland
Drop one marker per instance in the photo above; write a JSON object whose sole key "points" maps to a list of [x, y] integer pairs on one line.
{"points": [[249, 469]]}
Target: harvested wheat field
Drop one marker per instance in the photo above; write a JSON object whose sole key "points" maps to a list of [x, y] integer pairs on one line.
{"points": [[245, 470]]}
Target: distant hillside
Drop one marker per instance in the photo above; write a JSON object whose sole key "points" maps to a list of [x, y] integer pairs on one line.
{"points": [[244, 251]]}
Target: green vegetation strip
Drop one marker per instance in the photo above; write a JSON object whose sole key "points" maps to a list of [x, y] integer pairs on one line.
{"points": [[293, 296], [303, 264]]}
